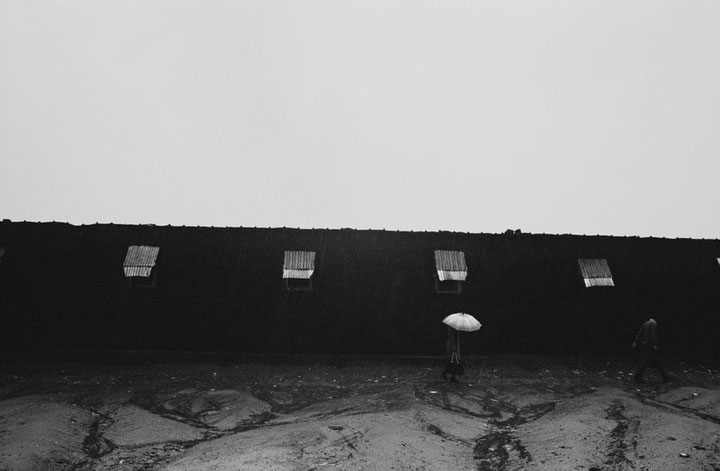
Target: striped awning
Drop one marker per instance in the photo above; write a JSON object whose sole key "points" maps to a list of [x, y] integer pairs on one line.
{"points": [[298, 265], [140, 260], [450, 265], [595, 272]]}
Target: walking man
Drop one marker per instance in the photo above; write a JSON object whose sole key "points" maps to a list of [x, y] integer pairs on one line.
{"points": [[647, 340]]}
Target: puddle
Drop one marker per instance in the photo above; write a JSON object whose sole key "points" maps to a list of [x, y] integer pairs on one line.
{"points": [[499, 449], [291, 397], [460, 402], [619, 444], [495, 450], [525, 414], [434, 429], [94, 445]]}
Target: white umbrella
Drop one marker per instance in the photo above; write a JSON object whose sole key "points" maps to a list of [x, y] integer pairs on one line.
{"points": [[462, 321]]}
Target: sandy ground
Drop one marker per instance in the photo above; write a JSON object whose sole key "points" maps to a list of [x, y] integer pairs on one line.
{"points": [[506, 413]]}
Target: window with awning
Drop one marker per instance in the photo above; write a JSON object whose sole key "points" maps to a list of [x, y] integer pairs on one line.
{"points": [[298, 265], [140, 260], [450, 265], [451, 271], [298, 269], [595, 272]]}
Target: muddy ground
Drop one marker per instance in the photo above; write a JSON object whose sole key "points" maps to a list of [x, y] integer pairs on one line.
{"points": [[506, 413]]}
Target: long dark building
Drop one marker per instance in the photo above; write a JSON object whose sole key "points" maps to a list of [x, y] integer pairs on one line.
{"points": [[108, 287]]}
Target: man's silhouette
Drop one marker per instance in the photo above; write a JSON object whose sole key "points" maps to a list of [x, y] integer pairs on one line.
{"points": [[647, 340]]}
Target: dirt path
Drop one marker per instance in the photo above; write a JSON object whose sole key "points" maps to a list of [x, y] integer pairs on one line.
{"points": [[507, 413]]}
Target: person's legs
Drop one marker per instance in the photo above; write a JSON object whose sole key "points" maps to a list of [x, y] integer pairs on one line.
{"points": [[449, 367], [650, 358], [646, 358], [657, 364], [640, 371]]}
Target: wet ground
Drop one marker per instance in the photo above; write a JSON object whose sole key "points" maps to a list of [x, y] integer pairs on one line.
{"points": [[506, 413]]}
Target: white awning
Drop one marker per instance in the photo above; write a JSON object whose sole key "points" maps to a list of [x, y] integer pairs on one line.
{"points": [[140, 260], [595, 272], [450, 265], [298, 265]]}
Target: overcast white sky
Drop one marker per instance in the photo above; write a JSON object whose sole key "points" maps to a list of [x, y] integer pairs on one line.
{"points": [[582, 116]]}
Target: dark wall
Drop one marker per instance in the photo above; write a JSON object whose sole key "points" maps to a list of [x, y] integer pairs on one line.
{"points": [[221, 289]]}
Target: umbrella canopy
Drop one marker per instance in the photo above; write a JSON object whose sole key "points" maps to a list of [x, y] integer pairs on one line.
{"points": [[462, 321]]}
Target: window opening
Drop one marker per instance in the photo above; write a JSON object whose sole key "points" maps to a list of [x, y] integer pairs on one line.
{"points": [[140, 266], [298, 268], [451, 271], [595, 272]]}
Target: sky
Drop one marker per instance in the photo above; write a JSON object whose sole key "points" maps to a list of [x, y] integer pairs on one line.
{"points": [[549, 116]]}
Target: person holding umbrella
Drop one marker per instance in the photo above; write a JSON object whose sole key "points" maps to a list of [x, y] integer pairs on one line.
{"points": [[456, 322]]}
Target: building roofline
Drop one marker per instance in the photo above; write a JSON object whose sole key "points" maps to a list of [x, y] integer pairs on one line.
{"points": [[368, 230]]}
